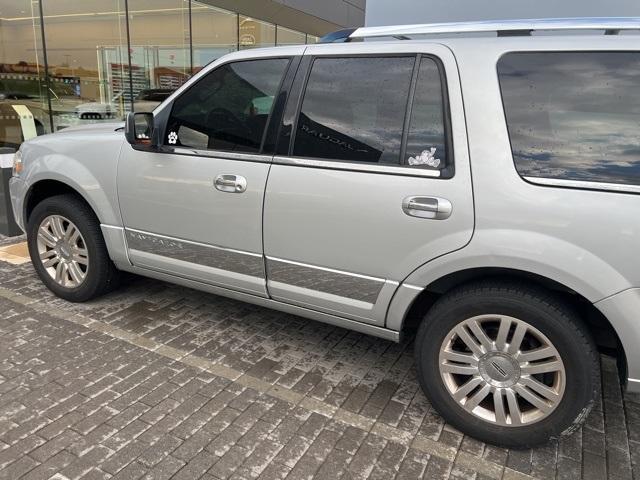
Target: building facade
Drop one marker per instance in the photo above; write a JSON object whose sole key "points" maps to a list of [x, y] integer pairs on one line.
{"points": [[70, 62]]}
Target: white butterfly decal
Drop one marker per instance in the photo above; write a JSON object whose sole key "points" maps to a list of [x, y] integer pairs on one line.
{"points": [[427, 157]]}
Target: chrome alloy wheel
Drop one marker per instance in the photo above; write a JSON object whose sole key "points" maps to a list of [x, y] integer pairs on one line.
{"points": [[63, 251], [502, 370]]}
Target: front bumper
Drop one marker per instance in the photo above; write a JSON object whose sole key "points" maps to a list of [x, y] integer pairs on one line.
{"points": [[18, 191], [623, 311]]}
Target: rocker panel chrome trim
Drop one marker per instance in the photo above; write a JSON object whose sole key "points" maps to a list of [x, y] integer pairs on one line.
{"points": [[355, 286], [268, 303], [245, 263]]}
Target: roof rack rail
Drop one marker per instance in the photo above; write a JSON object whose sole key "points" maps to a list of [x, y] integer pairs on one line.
{"points": [[611, 26]]}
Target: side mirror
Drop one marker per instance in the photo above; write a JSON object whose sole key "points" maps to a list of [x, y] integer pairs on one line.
{"points": [[140, 129]]}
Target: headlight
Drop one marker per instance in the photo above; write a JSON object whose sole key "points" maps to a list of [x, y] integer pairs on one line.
{"points": [[17, 163]]}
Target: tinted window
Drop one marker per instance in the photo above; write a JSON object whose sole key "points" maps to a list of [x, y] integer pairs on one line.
{"points": [[354, 109], [426, 145], [229, 108], [574, 115]]}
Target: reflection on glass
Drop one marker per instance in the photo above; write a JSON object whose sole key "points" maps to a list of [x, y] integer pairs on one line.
{"points": [[426, 146], [574, 115], [286, 36], [214, 31], [228, 109], [160, 58], [23, 90], [89, 79], [84, 54], [354, 109], [255, 33]]}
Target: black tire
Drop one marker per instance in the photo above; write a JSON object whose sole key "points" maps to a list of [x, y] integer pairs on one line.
{"points": [[543, 310], [102, 275]]}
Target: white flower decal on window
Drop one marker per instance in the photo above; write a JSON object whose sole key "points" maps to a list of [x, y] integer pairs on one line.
{"points": [[426, 158], [173, 138]]}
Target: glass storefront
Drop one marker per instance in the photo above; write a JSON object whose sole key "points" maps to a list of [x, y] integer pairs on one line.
{"points": [[160, 54], [286, 36], [23, 82], [78, 42], [214, 33], [100, 59], [254, 33]]}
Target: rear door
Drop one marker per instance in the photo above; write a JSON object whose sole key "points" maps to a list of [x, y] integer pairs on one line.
{"points": [[372, 179]]}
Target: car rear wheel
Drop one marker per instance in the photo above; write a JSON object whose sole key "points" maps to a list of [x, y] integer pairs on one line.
{"points": [[67, 249], [508, 364]]}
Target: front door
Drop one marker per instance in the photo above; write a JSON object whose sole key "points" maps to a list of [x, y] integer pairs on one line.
{"points": [[376, 181], [194, 208]]}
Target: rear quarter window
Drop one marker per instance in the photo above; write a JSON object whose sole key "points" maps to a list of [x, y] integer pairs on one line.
{"points": [[573, 115]]}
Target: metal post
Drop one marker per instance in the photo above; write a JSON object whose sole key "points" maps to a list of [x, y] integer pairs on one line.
{"points": [[126, 9], [237, 31], [47, 80], [190, 41]]}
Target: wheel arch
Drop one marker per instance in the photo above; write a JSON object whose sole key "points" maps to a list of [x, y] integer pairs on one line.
{"points": [[600, 327], [47, 188]]}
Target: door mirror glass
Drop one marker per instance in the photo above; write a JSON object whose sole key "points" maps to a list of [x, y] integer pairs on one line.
{"points": [[139, 128]]}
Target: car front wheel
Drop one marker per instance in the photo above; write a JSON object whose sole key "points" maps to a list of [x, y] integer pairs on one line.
{"points": [[508, 364], [67, 249]]}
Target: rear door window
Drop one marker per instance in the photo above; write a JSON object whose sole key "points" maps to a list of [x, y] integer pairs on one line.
{"points": [[354, 108], [426, 140], [574, 115], [375, 110]]}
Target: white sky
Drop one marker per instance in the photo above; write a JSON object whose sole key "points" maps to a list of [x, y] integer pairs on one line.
{"points": [[392, 12]]}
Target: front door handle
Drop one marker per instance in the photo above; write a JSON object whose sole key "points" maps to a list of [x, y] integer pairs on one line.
{"points": [[427, 207], [230, 183]]}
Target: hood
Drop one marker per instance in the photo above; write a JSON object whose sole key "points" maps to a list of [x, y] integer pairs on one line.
{"points": [[80, 132], [93, 128]]}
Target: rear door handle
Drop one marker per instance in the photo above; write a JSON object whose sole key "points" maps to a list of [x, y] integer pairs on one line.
{"points": [[435, 208], [230, 183]]}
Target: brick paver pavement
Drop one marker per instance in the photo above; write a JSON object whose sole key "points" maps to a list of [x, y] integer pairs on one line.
{"points": [[157, 381]]}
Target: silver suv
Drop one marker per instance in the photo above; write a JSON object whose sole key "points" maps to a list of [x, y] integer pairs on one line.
{"points": [[483, 188]]}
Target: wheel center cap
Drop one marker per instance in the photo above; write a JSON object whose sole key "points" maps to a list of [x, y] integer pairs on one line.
{"points": [[63, 250], [499, 369]]}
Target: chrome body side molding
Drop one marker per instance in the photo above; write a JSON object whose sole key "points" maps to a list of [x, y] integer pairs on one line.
{"points": [[269, 303], [334, 282], [194, 152], [225, 267], [355, 296], [560, 182], [245, 263], [357, 167]]}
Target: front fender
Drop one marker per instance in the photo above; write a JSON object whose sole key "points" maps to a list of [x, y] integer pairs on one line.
{"points": [[89, 170]]}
